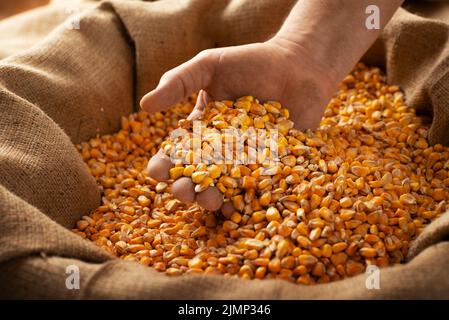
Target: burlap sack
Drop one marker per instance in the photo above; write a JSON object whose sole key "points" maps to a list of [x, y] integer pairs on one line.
{"points": [[76, 83]]}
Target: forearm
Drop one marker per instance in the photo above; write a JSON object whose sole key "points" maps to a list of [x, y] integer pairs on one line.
{"points": [[335, 30]]}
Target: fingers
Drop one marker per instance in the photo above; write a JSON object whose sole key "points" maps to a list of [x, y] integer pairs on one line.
{"points": [[183, 189], [181, 82], [159, 166], [202, 101], [227, 209], [210, 199]]}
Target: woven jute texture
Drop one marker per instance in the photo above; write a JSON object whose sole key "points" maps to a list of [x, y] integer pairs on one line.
{"points": [[60, 86]]}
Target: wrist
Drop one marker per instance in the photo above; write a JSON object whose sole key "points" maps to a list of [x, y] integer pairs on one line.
{"points": [[332, 35], [308, 55]]}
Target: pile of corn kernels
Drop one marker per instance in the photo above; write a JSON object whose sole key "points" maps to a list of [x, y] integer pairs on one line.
{"points": [[353, 193]]}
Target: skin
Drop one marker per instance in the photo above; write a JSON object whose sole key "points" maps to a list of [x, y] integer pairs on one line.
{"points": [[301, 66]]}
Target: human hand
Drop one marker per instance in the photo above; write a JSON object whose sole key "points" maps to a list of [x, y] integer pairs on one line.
{"points": [[274, 70], [277, 69]]}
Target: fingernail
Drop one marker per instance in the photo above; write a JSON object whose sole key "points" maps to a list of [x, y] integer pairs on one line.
{"points": [[143, 102], [155, 100], [205, 99], [194, 115]]}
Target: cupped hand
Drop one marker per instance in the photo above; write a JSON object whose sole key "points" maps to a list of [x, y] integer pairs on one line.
{"points": [[277, 69]]}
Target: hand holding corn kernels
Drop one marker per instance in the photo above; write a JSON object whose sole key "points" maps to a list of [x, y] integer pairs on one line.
{"points": [[300, 67]]}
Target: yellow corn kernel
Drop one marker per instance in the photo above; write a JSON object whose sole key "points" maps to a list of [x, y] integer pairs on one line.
{"points": [[360, 171], [265, 199], [273, 214], [248, 182], [345, 202], [228, 182], [214, 171], [258, 216], [176, 172], [188, 170]]}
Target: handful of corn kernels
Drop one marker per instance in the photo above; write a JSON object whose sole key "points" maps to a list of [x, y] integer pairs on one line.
{"points": [[244, 149]]}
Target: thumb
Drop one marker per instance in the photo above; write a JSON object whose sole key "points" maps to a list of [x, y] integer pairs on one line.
{"points": [[202, 101], [181, 82]]}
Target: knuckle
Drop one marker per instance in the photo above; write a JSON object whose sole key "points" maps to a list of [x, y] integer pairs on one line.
{"points": [[207, 54], [168, 75]]}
